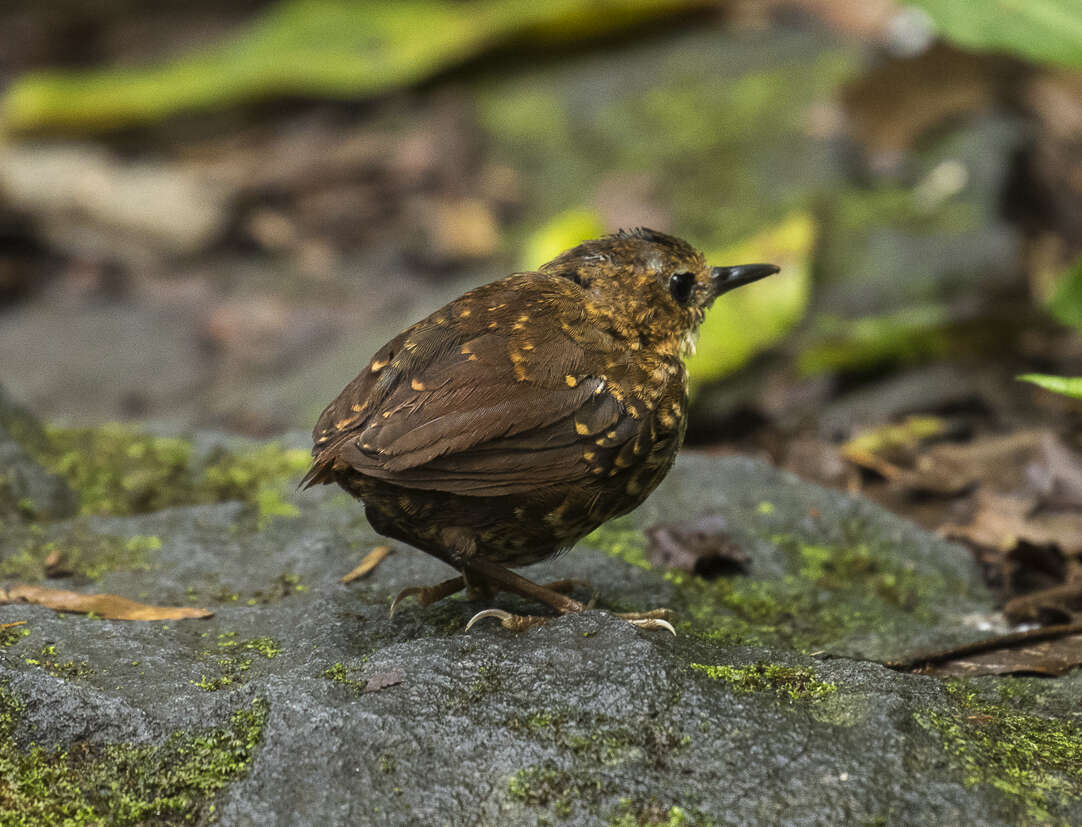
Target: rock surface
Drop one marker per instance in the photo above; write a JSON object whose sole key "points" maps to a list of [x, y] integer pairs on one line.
{"points": [[301, 701]]}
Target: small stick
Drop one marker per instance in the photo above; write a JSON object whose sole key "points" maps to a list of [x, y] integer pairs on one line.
{"points": [[1007, 641]]}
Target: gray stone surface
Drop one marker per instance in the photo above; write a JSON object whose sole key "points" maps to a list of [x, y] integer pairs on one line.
{"points": [[585, 720]]}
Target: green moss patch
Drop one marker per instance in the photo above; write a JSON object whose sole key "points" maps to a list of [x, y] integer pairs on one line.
{"points": [[794, 682], [233, 658], [50, 660], [1035, 761], [830, 593], [10, 634], [551, 787], [640, 813], [78, 552], [120, 783], [120, 469], [339, 673]]}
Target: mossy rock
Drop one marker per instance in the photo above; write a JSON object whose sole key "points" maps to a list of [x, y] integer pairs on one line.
{"points": [[302, 700]]}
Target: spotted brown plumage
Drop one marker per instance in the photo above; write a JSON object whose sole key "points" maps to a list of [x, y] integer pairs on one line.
{"points": [[516, 419]]}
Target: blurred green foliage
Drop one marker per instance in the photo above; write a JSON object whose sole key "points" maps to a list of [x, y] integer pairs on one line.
{"points": [[318, 48], [1065, 385], [120, 469], [1045, 31], [909, 335], [1066, 300], [1065, 304], [750, 319], [560, 233], [711, 132]]}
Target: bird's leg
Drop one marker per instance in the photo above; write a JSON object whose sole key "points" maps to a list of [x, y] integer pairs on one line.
{"points": [[462, 543], [477, 588], [506, 580]]}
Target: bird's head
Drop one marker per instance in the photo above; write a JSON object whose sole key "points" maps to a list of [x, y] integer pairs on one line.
{"points": [[650, 285]]}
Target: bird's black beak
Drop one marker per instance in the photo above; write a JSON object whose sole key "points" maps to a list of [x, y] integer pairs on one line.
{"points": [[725, 279]]}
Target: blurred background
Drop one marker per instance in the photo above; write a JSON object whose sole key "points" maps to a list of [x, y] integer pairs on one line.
{"points": [[212, 213]]}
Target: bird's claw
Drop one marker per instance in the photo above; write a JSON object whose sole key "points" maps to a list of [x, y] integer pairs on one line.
{"points": [[653, 619], [402, 595], [516, 623], [650, 623]]}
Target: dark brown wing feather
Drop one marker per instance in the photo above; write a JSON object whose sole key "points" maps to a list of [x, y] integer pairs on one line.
{"points": [[470, 413]]}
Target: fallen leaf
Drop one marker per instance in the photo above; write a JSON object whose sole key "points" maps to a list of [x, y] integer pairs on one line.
{"points": [[392, 677], [886, 446], [701, 546], [370, 561], [107, 606], [1023, 464], [1002, 522]]}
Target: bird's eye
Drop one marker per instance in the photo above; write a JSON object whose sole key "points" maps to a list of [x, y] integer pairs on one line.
{"points": [[680, 285]]}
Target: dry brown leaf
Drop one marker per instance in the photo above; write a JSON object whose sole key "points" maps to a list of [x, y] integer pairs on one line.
{"points": [[107, 606], [383, 680], [1002, 523], [370, 561], [1025, 463]]}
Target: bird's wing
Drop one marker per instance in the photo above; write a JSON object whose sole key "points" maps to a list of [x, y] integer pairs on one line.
{"points": [[480, 417]]}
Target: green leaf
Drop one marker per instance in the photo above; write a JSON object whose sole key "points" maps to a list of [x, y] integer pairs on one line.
{"points": [[1066, 385], [748, 320], [1045, 31], [1066, 301], [318, 48]]}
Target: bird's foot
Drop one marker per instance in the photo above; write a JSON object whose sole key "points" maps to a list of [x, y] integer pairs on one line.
{"points": [[506, 580], [655, 619], [516, 623]]}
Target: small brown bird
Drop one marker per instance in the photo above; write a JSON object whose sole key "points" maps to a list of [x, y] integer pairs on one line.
{"points": [[518, 418]]}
